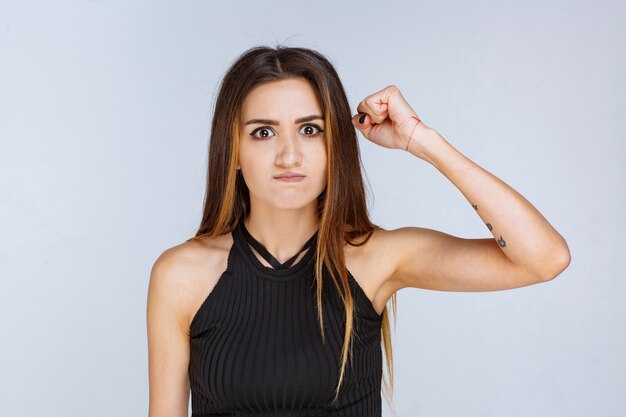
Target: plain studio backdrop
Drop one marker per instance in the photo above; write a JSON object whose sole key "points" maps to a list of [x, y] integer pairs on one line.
{"points": [[105, 110]]}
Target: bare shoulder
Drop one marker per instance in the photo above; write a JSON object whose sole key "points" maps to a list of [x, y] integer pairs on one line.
{"points": [[187, 273], [394, 245]]}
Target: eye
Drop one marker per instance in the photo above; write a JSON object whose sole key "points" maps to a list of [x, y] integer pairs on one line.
{"points": [[260, 129], [315, 127]]}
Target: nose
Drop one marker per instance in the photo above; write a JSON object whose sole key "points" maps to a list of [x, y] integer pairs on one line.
{"points": [[289, 152]]}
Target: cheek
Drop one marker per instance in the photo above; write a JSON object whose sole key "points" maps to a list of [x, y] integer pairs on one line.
{"points": [[317, 150], [256, 167], [250, 159], [321, 166], [322, 158]]}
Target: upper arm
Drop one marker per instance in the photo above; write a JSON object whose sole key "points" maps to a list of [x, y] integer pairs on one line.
{"points": [[430, 259], [168, 342]]}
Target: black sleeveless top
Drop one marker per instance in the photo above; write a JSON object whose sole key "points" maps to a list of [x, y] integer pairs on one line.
{"points": [[256, 348]]}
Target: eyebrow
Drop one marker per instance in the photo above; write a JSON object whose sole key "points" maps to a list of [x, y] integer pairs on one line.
{"points": [[276, 123]]}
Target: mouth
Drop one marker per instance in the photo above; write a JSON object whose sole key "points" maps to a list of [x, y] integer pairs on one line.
{"points": [[290, 178]]}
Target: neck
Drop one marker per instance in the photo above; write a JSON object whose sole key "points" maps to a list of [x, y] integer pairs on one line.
{"points": [[282, 232]]}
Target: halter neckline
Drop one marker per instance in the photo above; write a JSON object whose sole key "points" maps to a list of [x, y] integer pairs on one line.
{"points": [[277, 268]]}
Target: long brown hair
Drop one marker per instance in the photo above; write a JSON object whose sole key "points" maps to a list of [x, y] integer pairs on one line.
{"points": [[342, 208]]}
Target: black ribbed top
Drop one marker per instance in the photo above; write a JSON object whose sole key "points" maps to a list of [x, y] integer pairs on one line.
{"points": [[256, 348]]}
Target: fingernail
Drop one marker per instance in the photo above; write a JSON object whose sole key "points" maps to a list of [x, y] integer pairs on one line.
{"points": [[362, 119]]}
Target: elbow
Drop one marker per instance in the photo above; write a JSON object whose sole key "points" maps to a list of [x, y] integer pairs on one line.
{"points": [[564, 259]]}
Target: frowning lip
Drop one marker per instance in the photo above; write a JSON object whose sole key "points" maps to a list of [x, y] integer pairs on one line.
{"points": [[289, 174]]}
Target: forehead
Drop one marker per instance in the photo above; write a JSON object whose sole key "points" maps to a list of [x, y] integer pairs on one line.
{"points": [[281, 98]]}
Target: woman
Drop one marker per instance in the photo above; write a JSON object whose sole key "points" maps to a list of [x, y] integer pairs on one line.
{"points": [[277, 305]]}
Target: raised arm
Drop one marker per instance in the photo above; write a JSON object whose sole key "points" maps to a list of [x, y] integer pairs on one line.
{"points": [[522, 234], [525, 248]]}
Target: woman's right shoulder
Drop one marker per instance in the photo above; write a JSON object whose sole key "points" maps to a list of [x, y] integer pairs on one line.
{"points": [[196, 252], [186, 271]]}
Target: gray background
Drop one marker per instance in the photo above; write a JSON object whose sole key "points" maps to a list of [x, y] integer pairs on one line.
{"points": [[105, 109]]}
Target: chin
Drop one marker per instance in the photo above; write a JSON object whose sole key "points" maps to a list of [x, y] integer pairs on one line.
{"points": [[294, 203]]}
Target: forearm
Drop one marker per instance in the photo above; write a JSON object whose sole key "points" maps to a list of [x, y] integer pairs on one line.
{"points": [[523, 234]]}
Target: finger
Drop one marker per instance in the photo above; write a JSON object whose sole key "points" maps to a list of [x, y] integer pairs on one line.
{"points": [[365, 126], [377, 112], [376, 106], [400, 108]]}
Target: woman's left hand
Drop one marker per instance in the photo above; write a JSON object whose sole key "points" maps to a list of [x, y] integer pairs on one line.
{"points": [[389, 121]]}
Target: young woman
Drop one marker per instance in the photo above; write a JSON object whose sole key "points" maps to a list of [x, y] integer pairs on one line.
{"points": [[278, 304]]}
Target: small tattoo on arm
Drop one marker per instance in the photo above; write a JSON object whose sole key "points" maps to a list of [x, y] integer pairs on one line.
{"points": [[489, 227], [501, 242], [475, 206]]}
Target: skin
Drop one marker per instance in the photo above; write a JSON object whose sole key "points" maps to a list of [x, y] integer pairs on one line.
{"points": [[524, 249]]}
